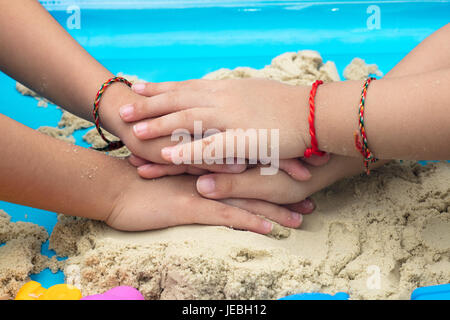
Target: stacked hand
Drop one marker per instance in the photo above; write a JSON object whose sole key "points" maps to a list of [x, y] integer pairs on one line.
{"points": [[222, 104]]}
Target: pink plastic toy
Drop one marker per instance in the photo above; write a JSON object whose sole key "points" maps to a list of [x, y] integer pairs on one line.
{"points": [[117, 293]]}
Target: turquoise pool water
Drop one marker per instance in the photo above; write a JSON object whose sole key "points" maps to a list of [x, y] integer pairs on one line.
{"points": [[160, 43]]}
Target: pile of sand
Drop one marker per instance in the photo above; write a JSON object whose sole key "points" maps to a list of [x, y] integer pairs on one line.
{"points": [[394, 223], [20, 255], [379, 236]]}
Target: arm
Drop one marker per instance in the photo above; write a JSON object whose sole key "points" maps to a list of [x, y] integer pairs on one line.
{"points": [[409, 102], [430, 55], [405, 117], [417, 61], [69, 76], [42, 172], [38, 52]]}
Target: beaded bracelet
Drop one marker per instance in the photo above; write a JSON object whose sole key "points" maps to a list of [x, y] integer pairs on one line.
{"points": [[363, 147], [312, 130], [111, 145]]}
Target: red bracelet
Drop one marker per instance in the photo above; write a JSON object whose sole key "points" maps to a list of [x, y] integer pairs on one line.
{"points": [[112, 145], [312, 130]]}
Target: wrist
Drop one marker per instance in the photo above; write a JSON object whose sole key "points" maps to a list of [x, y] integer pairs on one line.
{"points": [[336, 117], [112, 100], [125, 177], [302, 114]]}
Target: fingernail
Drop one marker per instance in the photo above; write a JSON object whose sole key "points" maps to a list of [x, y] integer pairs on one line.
{"points": [[268, 226], [166, 153], [235, 168], [206, 185], [126, 111], [296, 218], [138, 87], [140, 128]]}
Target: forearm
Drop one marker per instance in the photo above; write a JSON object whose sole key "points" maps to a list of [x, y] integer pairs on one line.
{"points": [[405, 118], [431, 54], [42, 172], [38, 52]]}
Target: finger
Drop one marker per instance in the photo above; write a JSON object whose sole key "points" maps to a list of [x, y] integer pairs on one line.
{"points": [[136, 161], [151, 150], [165, 103], [205, 211], [221, 168], [316, 161], [238, 144], [154, 88], [250, 185], [279, 188], [195, 171], [306, 206], [153, 170], [195, 120], [271, 211], [295, 169]]}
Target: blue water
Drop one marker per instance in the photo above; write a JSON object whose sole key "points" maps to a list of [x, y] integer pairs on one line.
{"points": [[178, 44]]}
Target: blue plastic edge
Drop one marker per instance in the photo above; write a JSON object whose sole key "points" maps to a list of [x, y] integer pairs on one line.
{"points": [[437, 292], [317, 296]]}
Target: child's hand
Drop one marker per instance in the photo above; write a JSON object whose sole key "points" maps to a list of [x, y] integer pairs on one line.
{"points": [[154, 165], [296, 168], [223, 104], [279, 188], [171, 201]]}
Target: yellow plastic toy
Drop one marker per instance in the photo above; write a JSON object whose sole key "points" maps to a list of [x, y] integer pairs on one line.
{"points": [[34, 291]]}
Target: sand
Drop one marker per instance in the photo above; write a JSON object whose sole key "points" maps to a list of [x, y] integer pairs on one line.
{"points": [[396, 221], [374, 237], [20, 255]]}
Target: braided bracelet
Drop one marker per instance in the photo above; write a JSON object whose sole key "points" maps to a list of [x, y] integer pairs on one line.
{"points": [[312, 130], [111, 145], [363, 146]]}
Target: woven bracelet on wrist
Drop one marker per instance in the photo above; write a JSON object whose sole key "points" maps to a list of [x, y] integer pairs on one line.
{"points": [[362, 145], [111, 145], [312, 130]]}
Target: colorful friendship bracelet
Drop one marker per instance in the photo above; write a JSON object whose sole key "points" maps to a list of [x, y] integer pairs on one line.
{"points": [[363, 146], [312, 130], [112, 145]]}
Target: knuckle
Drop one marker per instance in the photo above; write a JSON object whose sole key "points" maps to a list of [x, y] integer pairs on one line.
{"points": [[224, 184], [188, 216], [186, 116], [172, 98], [155, 124], [226, 213], [164, 99], [140, 107]]}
